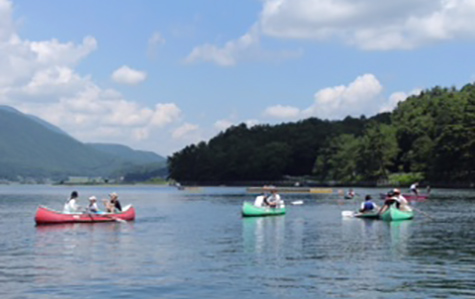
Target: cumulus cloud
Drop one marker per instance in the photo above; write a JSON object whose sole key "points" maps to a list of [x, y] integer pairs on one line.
{"points": [[229, 53], [360, 96], [129, 76], [365, 24], [363, 96], [368, 24], [282, 112], [397, 97], [222, 124], [39, 78], [184, 130]]}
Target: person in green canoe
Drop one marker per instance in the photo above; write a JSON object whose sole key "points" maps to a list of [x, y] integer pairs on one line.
{"points": [[273, 199], [368, 205], [396, 198]]}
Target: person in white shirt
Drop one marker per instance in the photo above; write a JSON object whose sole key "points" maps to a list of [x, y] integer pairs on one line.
{"points": [[414, 188], [395, 198], [403, 203], [273, 199], [93, 208], [71, 205]]}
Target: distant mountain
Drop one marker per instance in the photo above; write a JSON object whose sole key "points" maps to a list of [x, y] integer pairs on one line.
{"points": [[31, 147], [126, 153], [35, 118]]}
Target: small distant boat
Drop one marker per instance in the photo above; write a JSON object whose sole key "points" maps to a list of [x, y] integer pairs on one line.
{"points": [[45, 215], [394, 214], [250, 210]]}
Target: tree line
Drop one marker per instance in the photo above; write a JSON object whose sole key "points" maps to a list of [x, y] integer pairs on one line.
{"points": [[430, 136]]}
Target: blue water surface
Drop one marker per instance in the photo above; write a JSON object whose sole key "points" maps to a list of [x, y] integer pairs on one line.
{"points": [[194, 243]]}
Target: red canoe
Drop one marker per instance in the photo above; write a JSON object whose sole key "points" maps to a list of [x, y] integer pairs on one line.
{"points": [[45, 215], [409, 196]]}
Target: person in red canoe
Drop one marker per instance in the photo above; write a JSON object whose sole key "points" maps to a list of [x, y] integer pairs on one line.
{"points": [[414, 188], [113, 205], [71, 206], [93, 208]]}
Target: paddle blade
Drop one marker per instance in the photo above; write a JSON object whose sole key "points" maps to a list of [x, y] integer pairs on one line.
{"points": [[347, 213]]}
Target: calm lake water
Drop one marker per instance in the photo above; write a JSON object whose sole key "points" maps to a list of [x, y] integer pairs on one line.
{"points": [[195, 244]]}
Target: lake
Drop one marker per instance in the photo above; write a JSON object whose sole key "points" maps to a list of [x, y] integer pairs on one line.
{"points": [[195, 244]]}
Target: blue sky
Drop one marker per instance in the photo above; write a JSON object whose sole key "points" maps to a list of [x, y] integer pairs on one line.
{"points": [[159, 75]]}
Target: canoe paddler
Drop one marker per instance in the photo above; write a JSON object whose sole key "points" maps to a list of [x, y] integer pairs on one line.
{"points": [[71, 205], [113, 204], [93, 208], [368, 205], [273, 199]]}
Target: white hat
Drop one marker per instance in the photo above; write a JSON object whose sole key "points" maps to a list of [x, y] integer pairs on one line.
{"points": [[113, 194], [92, 198]]}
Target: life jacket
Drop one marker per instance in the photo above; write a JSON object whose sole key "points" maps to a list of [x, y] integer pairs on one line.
{"points": [[368, 206]]}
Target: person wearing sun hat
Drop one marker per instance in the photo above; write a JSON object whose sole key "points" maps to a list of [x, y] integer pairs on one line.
{"points": [[113, 204]]}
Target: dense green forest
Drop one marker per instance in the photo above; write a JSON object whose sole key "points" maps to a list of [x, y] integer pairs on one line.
{"points": [[428, 137]]}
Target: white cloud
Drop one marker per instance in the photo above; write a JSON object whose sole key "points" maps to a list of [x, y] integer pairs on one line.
{"points": [[397, 97], [184, 130], [359, 97], [165, 114], [6, 23], [282, 112], [222, 124], [229, 53], [363, 96], [39, 78], [127, 75], [154, 42], [368, 24]]}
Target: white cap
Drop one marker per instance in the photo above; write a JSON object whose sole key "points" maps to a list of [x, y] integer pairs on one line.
{"points": [[113, 194], [92, 198]]}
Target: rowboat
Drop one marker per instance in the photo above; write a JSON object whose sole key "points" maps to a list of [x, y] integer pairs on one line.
{"points": [[394, 214], [46, 215], [250, 210]]}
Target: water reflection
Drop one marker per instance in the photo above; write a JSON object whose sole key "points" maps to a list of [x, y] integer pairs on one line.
{"points": [[400, 234], [264, 234]]}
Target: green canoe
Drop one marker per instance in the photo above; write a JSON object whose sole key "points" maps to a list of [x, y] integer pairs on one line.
{"points": [[250, 210], [367, 215], [394, 214]]}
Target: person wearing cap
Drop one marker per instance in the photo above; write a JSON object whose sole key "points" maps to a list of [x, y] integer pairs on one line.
{"points": [[71, 206], [113, 205], [93, 208]]}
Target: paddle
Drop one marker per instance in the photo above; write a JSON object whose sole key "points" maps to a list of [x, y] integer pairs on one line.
{"points": [[104, 215], [347, 213], [111, 217], [423, 213]]}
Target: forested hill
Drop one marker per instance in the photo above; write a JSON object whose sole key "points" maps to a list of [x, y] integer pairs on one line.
{"points": [[31, 147], [431, 136], [262, 152]]}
